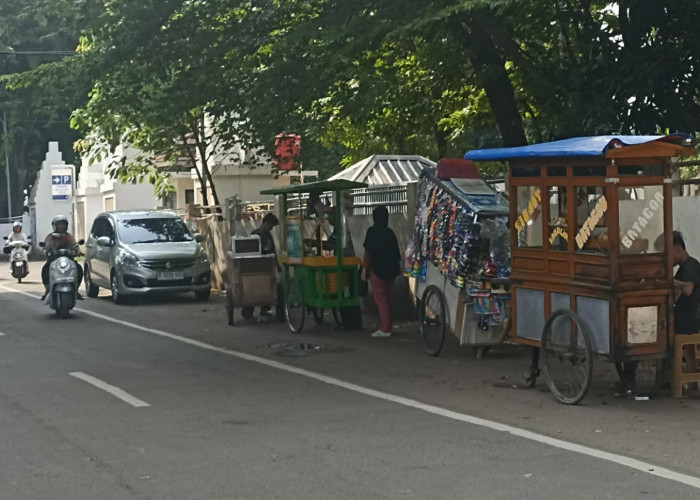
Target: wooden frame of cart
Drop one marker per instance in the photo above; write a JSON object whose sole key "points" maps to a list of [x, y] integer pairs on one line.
{"points": [[590, 239]]}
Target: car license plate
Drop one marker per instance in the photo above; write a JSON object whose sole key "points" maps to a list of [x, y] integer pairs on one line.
{"points": [[170, 275]]}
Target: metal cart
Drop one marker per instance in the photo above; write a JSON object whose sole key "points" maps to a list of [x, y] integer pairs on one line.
{"points": [[314, 280], [251, 276], [473, 307]]}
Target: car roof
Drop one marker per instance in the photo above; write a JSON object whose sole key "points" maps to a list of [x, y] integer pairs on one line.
{"points": [[140, 214]]}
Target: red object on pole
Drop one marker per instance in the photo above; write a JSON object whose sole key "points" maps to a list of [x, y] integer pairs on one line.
{"points": [[287, 148]]}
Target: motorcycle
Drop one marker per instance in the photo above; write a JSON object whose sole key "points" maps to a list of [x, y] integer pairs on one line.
{"points": [[19, 251], [63, 281]]}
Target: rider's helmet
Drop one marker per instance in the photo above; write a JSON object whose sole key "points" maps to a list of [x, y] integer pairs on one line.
{"points": [[57, 219], [17, 226]]}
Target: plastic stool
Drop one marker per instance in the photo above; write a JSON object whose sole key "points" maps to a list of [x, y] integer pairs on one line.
{"points": [[684, 346]]}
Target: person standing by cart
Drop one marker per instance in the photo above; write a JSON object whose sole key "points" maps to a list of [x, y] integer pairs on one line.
{"points": [[267, 246], [381, 266], [687, 288]]}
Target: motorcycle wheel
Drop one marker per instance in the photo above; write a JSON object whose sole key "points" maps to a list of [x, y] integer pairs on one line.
{"points": [[63, 306]]}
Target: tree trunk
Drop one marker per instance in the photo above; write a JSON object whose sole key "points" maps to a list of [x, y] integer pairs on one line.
{"points": [[491, 73]]}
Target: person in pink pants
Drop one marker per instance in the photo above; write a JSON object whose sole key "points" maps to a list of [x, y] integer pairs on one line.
{"points": [[381, 266]]}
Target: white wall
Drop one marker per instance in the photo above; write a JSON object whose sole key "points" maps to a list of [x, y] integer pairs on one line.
{"points": [[44, 207]]}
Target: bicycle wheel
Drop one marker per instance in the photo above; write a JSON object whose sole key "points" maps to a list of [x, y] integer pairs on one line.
{"points": [[567, 356], [294, 308], [433, 320]]}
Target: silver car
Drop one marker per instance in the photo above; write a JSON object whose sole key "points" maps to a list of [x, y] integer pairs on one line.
{"points": [[142, 252]]}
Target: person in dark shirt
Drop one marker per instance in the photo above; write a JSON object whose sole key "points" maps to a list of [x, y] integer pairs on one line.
{"points": [[381, 266], [267, 246], [687, 288]]}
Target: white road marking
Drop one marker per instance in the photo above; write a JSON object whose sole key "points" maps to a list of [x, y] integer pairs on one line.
{"points": [[2, 334], [114, 391], [632, 463]]}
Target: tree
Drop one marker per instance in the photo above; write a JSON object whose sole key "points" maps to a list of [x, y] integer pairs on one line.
{"points": [[35, 34]]}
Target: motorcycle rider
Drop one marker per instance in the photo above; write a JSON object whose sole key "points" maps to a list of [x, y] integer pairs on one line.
{"points": [[17, 234], [60, 238]]}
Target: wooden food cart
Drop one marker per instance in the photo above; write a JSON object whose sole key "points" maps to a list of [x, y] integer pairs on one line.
{"points": [[315, 280], [591, 231], [459, 259]]}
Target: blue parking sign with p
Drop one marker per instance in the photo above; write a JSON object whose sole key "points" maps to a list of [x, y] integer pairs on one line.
{"points": [[61, 185]]}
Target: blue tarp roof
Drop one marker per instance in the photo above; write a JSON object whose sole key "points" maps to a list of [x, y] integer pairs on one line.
{"points": [[577, 146]]}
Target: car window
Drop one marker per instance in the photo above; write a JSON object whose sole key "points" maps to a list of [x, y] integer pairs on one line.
{"points": [[153, 230], [99, 227]]}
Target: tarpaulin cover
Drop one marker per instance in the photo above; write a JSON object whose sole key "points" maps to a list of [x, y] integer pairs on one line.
{"points": [[475, 194], [576, 146]]}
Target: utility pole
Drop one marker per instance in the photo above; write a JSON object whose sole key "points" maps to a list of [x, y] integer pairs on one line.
{"points": [[7, 163]]}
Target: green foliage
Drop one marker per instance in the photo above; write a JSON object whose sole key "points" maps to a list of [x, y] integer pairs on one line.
{"points": [[435, 77]]}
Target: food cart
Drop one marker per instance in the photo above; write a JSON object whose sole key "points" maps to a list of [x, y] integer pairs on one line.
{"points": [[591, 230], [459, 257], [251, 276], [317, 274]]}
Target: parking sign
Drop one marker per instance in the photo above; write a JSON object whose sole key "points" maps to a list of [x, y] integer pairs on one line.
{"points": [[61, 183]]}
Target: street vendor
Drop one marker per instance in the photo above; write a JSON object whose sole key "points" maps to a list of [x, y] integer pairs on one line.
{"points": [[687, 288]]}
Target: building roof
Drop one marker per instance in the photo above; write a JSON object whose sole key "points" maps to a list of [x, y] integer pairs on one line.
{"points": [[377, 170], [576, 146], [320, 186]]}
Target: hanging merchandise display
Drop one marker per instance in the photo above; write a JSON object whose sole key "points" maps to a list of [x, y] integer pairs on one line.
{"points": [[465, 239], [461, 235]]}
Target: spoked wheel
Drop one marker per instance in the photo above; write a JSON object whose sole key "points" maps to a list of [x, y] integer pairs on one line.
{"points": [[643, 378], [318, 313], [433, 320], [294, 305], [567, 356], [229, 305]]}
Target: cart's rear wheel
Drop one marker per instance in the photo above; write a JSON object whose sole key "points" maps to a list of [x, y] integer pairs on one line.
{"points": [[433, 320], [567, 356], [229, 305], [643, 378], [294, 305], [318, 313]]}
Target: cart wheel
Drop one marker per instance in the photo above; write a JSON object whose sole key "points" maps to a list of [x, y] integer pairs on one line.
{"points": [[337, 317], [568, 358], [481, 351], [294, 305], [647, 376], [318, 313], [433, 320], [229, 305]]}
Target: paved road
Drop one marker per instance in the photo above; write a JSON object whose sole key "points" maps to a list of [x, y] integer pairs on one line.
{"points": [[163, 400]]}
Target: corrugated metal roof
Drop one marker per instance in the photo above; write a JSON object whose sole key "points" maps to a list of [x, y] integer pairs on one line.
{"points": [[378, 170]]}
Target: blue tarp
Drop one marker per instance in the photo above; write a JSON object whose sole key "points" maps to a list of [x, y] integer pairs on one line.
{"points": [[577, 146]]}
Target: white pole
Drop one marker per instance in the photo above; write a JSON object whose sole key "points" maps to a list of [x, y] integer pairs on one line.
{"points": [[7, 163]]}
